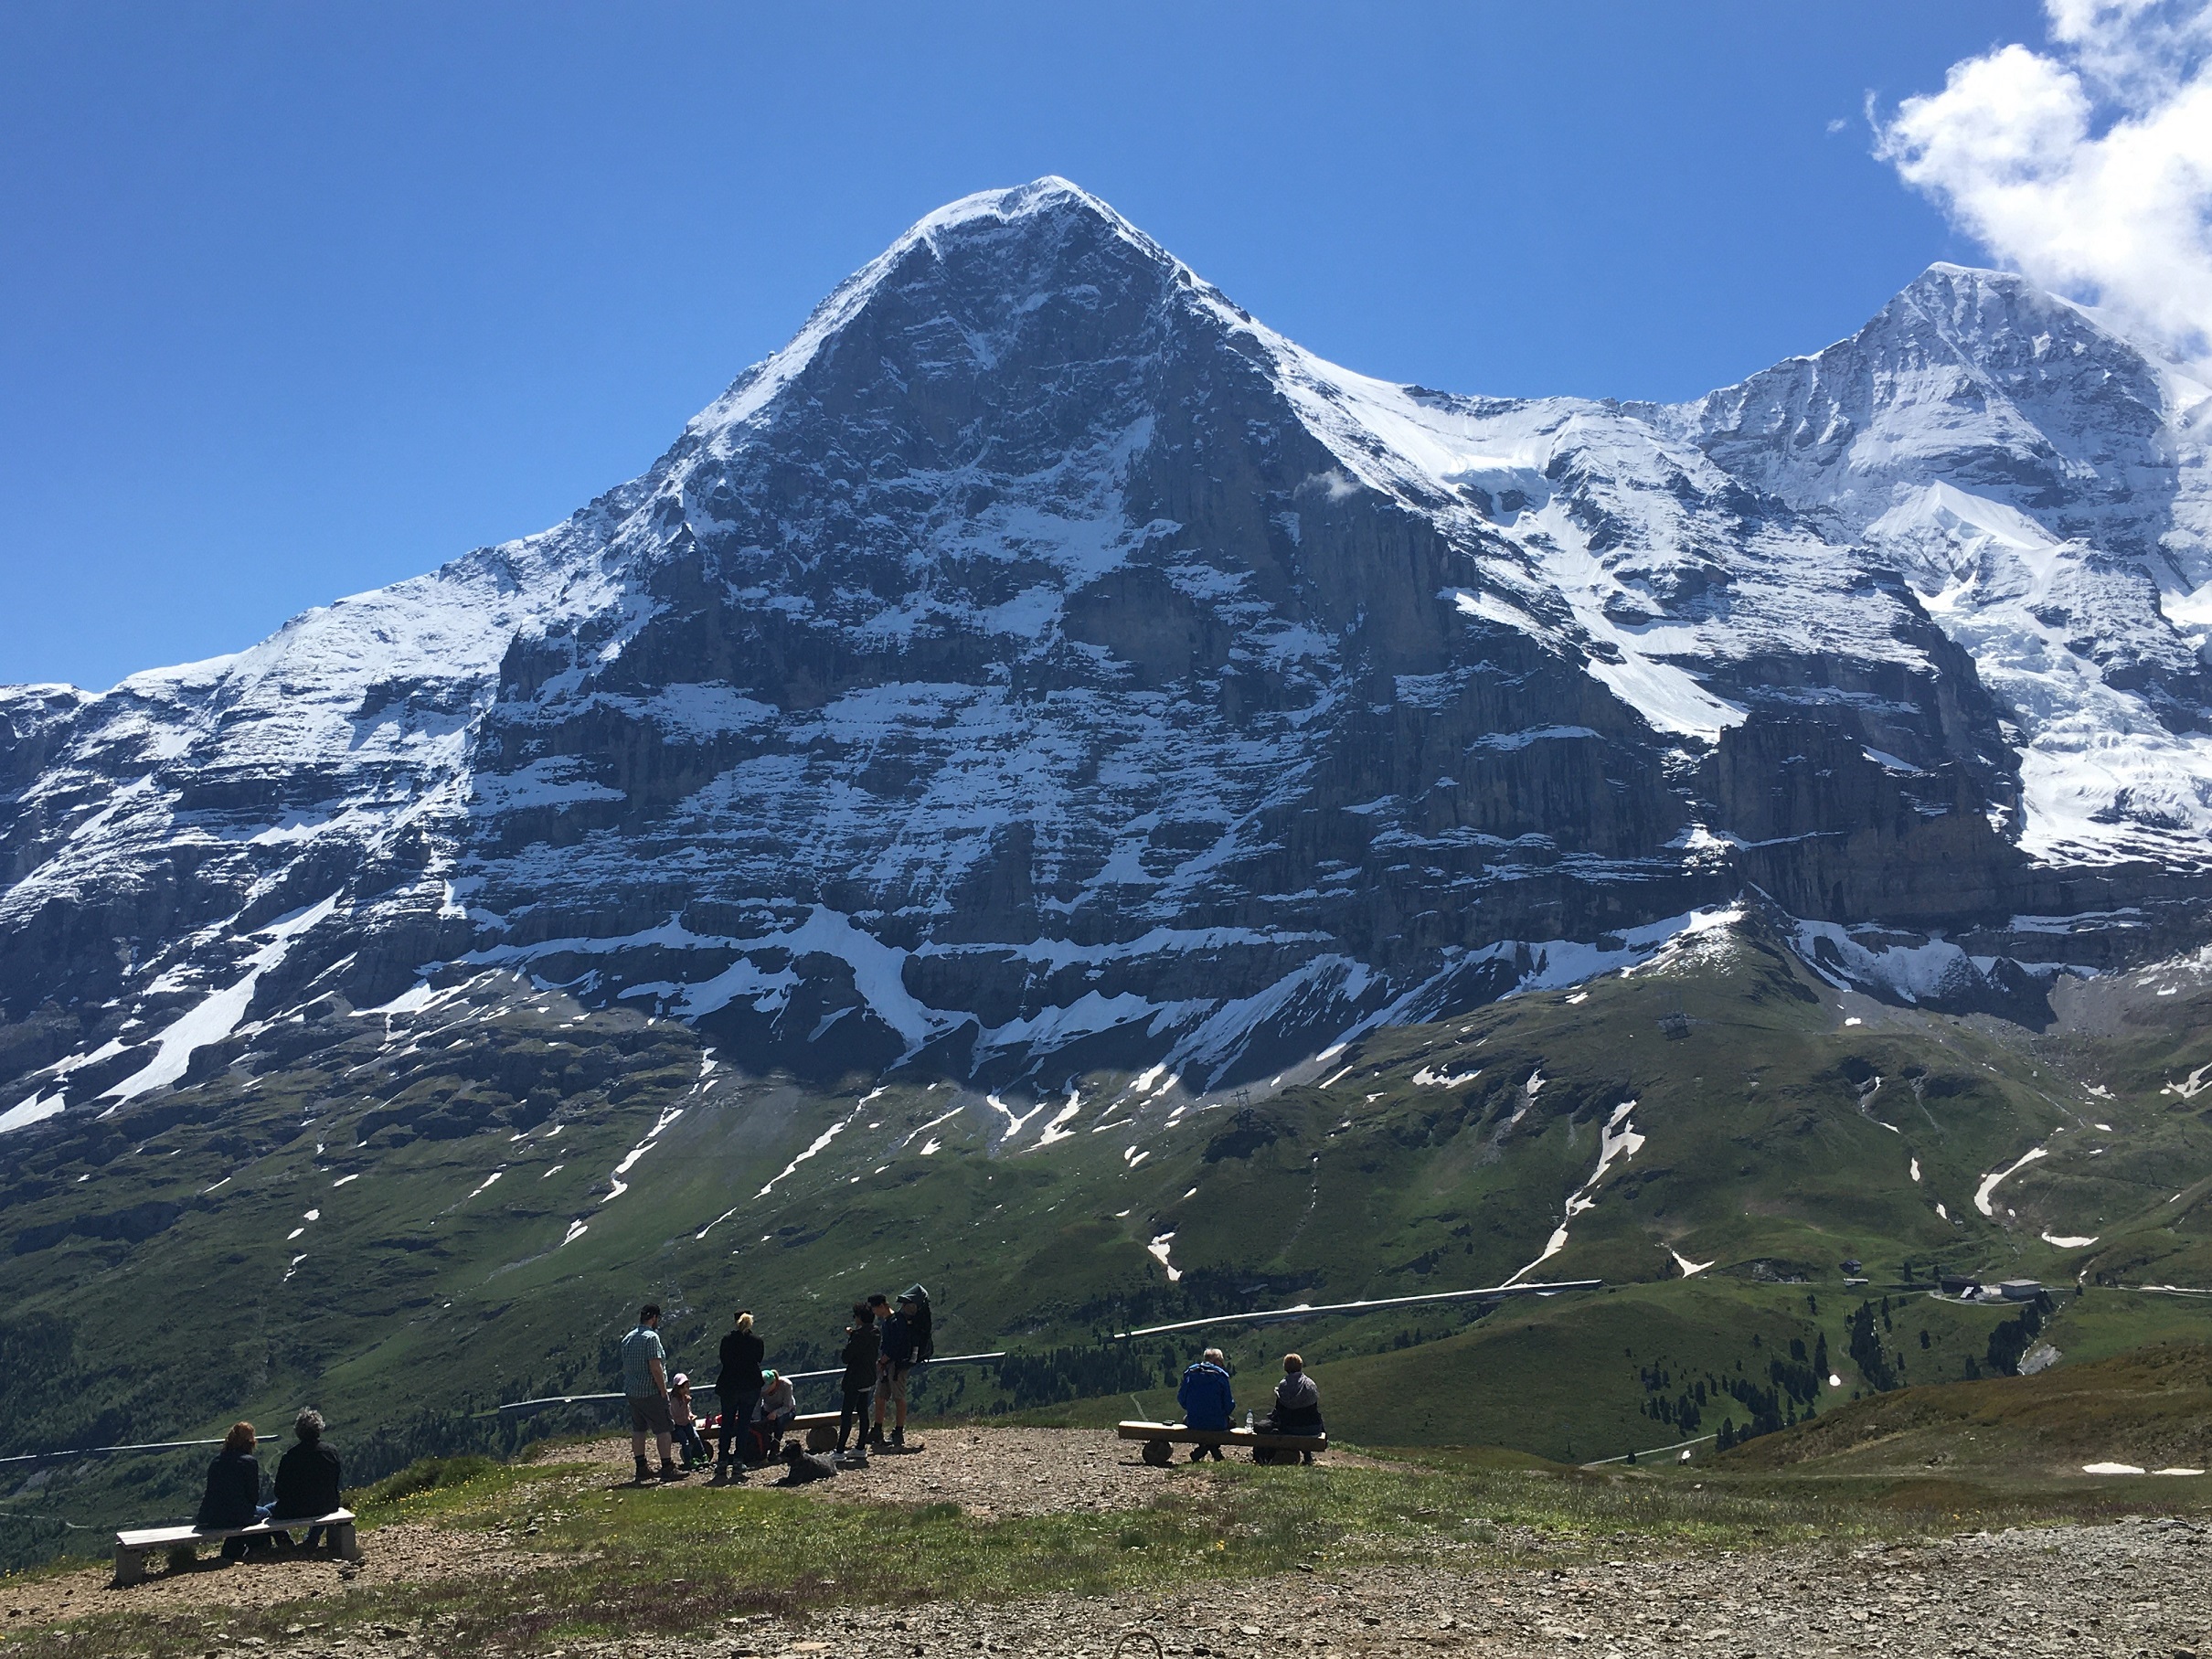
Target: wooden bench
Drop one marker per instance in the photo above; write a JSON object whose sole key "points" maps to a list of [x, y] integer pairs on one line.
{"points": [[820, 1429], [132, 1548], [1160, 1438], [816, 1430]]}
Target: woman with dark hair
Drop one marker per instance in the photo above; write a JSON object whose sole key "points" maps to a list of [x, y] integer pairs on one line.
{"points": [[859, 1356], [233, 1497]]}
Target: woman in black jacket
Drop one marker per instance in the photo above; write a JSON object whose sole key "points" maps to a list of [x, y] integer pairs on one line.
{"points": [[737, 1389], [233, 1497], [861, 1346]]}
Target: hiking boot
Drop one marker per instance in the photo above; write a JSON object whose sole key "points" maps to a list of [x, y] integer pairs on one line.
{"points": [[644, 1472], [669, 1471], [1197, 1453], [899, 1438]]}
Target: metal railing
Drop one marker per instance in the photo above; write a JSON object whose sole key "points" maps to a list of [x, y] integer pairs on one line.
{"points": [[1496, 1292], [525, 1408]]}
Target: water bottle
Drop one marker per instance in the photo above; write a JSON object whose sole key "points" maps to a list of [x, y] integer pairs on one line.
{"points": [[1248, 1419]]}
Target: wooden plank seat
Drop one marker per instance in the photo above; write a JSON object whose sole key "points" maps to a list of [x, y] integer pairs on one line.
{"points": [[808, 1425], [1160, 1439], [816, 1430], [132, 1548]]}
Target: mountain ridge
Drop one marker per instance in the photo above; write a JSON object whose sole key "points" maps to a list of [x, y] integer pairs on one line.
{"points": [[1038, 662]]}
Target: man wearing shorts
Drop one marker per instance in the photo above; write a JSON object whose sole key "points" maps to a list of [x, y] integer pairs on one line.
{"points": [[645, 1384], [895, 1359]]}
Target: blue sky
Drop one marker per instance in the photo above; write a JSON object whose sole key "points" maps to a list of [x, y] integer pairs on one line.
{"points": [[295, 301]]}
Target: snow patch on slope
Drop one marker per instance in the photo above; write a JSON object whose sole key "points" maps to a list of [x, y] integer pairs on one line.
{"points": [[1617, 1139], [216, 1017]]}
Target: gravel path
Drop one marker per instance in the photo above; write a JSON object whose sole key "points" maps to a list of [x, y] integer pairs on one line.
{"points": [[2133, 1589]]}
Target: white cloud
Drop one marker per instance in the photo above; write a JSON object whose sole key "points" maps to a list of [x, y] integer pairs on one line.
{"points": [[2086, 165]]}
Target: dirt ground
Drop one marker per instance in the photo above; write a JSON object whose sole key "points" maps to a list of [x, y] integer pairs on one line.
{"points": [[403, 1554], [991, 1472], [2136, 1588]]}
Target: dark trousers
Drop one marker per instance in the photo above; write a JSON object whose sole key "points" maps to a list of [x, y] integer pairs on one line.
{"points": [[237, 1550], [854, 1408], [738, 1407]]}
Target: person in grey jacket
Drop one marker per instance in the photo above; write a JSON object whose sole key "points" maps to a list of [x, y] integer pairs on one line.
{"points": [[1297, 1404]]}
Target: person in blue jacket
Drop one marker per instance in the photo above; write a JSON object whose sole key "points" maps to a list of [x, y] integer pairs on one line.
{"points": [[1206, 1399]]}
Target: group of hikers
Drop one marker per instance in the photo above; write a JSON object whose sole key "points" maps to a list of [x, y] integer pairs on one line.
{"points": [[1208, 1402], [883, 1342], [307, 1484]]}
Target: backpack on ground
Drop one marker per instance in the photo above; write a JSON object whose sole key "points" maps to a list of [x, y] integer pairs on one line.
{"points": [[755, 1445]]}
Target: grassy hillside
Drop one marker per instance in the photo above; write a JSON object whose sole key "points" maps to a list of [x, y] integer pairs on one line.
{"points": [[409, 1217], [2152, 1408]]}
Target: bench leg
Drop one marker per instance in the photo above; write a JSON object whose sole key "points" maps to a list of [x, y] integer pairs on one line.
{"points": [[130, 1566], [342, 1540]]}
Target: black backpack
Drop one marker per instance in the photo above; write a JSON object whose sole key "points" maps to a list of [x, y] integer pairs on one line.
{"points": [[925, 1340]]}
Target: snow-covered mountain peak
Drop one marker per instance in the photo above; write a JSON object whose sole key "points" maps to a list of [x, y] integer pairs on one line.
{"points": [[2037, 478], [1040, 197], [1040, 662], [975, 267]]}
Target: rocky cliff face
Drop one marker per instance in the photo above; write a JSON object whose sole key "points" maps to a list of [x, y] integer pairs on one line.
{"points": [[1039, 664]]}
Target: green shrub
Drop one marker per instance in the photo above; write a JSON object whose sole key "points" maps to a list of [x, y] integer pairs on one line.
{"points": [[424, 1474]]}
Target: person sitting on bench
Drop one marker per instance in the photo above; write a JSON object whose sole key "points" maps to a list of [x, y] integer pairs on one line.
{"points": [[779, 1405], [684, 1423], [1207, 1399], [307, 1477], [1297, 1404], [233, 1497]]}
